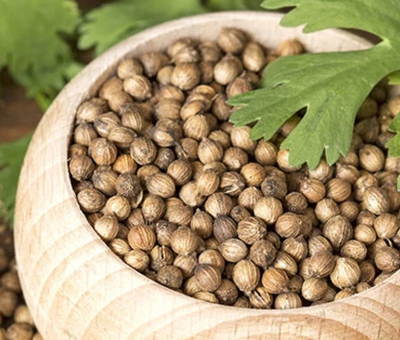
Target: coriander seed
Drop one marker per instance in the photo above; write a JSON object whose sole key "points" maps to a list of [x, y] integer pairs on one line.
{"points": [[233, 250], [152, 62], [275, 281], [355, 250], [209, 151], [186, 264], [260, 298], [289, 225], [313, 190], [143, 151], [170, 276], [274, 186], [186, 76], [372, 158], [128, 68], [253, 57], [246, 276], [160, 256], [184, 241], [232, 40], [212, 257], [263, 253], [386, 225], [91, 200], [180, 171], [296, 247], [208, 183], [321, 264], [224, 228], [142, 237], [376, 201], [89, 110], [314, 289], [338, 190], [326, 209], [296, 202], [118, 206], [285, 262], [346, 273], [227, 69], [249, 197], [206, 296], [81, 167], [227, 293], [208, 277], [218, 204], [235, 158], [288, 300], [338, 231], [268, 209], [190, 195], [387, 259], [161, 185], [253, 173], [251, 229], [232, 183]]}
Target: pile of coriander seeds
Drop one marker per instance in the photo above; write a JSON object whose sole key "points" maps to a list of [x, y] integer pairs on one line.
{"points": [[189, 200], [16, 322]]}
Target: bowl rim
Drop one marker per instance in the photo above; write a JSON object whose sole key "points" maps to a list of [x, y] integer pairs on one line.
{"points": [[150, 34]]}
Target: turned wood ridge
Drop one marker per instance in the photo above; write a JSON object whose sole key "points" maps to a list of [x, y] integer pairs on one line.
{"points": [[77, 289]]}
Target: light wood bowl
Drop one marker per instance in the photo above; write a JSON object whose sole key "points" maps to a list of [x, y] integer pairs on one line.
{"points": [[77, 289]]}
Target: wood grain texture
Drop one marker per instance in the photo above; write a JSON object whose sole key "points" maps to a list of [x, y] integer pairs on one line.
{"points": [[78, 289]]}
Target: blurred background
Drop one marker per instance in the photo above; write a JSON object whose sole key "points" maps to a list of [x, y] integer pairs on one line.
{"points": [[19, 113]]}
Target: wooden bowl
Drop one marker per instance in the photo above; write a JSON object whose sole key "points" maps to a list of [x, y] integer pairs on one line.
{"points": [[77, 289]]}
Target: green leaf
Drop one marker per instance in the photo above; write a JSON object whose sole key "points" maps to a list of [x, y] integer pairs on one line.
{"points": [[366, 15], [111, 23], [395, 124], [393, 145], [233, 5], [11, 159], [330, 86], [394, 78], [32, 44]]}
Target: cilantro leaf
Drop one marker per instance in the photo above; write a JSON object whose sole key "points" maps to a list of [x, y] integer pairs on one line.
{"points": [[395, 124], [394, 78], [366, 15], [233, 5], [331, 86], [393, 145], [11, 159], [111, 23], [32, 47]]}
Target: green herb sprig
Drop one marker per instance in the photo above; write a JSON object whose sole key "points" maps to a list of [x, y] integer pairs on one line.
{"points": [[33, 45], [11, 159], [330, 86]]}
